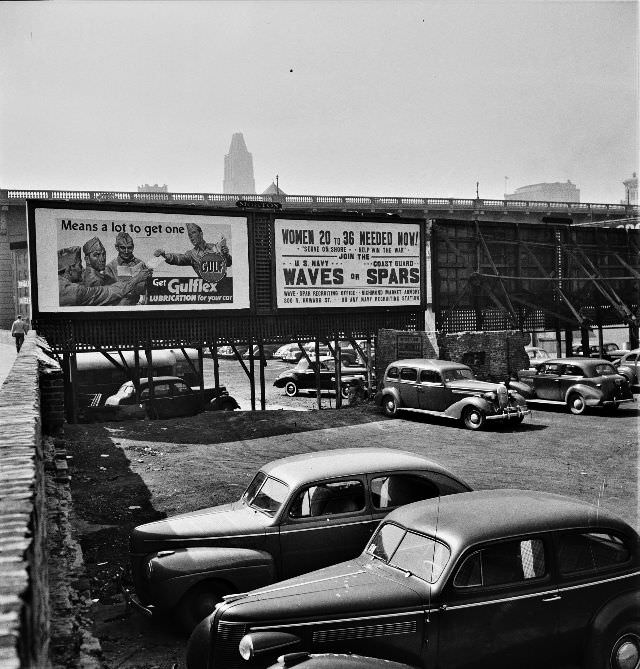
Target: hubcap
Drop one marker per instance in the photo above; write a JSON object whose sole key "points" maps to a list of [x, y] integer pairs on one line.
{"points": [[474, 418], [626, 654]]}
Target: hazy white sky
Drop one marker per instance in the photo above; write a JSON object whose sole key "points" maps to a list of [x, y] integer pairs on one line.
{"points": [[369, 97]]}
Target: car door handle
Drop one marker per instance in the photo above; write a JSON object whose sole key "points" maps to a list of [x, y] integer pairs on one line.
{"points": [[553, 598]]}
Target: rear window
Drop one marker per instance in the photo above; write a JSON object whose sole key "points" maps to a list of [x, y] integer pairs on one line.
{"points": [[581, 552], [602, 369], [392, 373]]}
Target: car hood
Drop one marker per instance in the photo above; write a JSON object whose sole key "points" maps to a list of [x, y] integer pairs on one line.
{"points": [[472, 385], [222, 522], [348, 588]]}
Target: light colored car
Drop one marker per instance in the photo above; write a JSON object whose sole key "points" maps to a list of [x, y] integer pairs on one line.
{"points": [[536, 355], [629, 366], [447, 389], [298, 513]]}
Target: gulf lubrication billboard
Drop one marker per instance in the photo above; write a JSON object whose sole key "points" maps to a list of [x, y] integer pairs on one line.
{"points": [[347, 264], [90, 260]]}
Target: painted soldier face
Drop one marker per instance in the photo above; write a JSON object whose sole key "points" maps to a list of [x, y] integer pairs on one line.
{"points": [[195, 236], [97, 258], [125, 250]]}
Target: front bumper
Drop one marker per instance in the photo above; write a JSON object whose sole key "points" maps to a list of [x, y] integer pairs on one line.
{"points": [[510, 413], [132, 600]]}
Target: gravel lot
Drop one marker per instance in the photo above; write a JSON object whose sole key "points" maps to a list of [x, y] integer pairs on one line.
{"points": [[128, 473]]}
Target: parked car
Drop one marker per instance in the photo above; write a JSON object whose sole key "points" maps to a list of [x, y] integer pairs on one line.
{"points": [[608, 350], [297, 514], [629, 366], [173, 397], [497, 578], [577, 383], [228, 352], [268, 351], [448, 389], [348, 355], [536, 355], [282, 351], [303, 377]]}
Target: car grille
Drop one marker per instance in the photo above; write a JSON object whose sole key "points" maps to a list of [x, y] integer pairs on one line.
{"points": [[364, 631], [503, 396], [226, 646]]}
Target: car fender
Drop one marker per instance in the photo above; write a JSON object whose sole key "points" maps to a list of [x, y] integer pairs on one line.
{"points": [[523, 389], [628, 371], [621, 609], [393, 392], [335, 661], [591, 395], [282, 381], [173, 573], [455, 410], [221, 401]]}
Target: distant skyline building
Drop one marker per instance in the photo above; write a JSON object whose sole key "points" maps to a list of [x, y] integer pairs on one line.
{"points": [[558, 191], [238, 168], [631, 190], [146, 188]]}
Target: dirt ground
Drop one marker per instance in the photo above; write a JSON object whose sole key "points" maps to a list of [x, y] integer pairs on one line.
{"points": [[128, 473]]}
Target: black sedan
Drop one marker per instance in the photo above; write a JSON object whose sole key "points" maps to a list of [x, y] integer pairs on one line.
{"points": [[303, 377], [496, 578]]}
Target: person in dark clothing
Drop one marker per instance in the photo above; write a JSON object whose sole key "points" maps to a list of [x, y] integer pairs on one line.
{"points": [[18, 330]]}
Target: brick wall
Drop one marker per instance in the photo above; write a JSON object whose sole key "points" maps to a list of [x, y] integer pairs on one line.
{"points": [[24, 613], [493, 355]]}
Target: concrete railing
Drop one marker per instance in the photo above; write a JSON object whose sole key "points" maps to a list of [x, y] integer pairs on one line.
{"points": [[348, 202]]}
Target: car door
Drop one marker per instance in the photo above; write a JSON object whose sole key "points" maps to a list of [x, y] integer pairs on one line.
{"points": [[591, 565], [546, 383], [432, 393], [408, 387], [162, 402], [498, 607], [569, 376], [325, 523], [185, 401]]}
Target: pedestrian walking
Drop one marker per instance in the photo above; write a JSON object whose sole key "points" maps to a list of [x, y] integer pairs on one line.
{"points": [[18, 330]]}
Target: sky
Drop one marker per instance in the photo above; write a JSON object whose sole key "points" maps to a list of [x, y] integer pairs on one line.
{"points": [[357, 97]]}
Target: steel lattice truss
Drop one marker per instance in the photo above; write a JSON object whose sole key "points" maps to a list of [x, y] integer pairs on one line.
{"points": [[531, 277]]}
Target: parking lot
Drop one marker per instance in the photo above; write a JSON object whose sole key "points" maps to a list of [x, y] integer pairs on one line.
{"points": [[128, 473]]}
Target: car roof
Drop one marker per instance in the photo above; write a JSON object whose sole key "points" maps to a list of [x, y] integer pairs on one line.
{"points": [[428, 363], [577, 361], [469, 518], [307, 467], [159, 379]]}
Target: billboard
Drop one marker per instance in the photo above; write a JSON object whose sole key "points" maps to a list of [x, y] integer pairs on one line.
{"points": [[111, 260], [347, 264]]}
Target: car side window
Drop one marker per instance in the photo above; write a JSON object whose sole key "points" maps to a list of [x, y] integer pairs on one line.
{"points": [[408, 374], [392, 373], [581, 552], [397, 489], [550, 369], [162, 390], [506, 563], [430, 376], [181, 388], [328, 499], [572, 370]]}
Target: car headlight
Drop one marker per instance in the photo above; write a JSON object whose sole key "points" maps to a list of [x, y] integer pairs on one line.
{"points": [[260, 643], [491, 397]]}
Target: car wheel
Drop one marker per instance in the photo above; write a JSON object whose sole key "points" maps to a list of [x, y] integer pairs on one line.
{"points": [[345, 391], [518, 419], [473, 418], [198, 603], [576, 404], [291, 389], [390, 406], [619, 649], [227, 405]]}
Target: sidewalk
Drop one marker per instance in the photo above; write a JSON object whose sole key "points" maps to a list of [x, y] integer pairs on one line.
{"points": [[7, 353]]}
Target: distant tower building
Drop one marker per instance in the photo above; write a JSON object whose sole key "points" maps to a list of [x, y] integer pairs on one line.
{"points": [[146, 188], [631, 190], [238, 168], [546, 192]]}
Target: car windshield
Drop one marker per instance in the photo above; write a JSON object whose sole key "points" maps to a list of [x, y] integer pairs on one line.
{"points": [[410, 552], [457, 374], [265, 494]]}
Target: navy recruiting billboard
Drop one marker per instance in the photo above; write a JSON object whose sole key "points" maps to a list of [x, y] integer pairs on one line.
{"points": [[91, 260], [347, 264]]}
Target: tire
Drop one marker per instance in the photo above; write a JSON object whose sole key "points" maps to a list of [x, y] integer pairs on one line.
{"points": [[227, 405], [291, 389], [198, 603], [618, 648], [518, 420], [473, 418], [576, 404], [345, 391], [389, 406]]}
